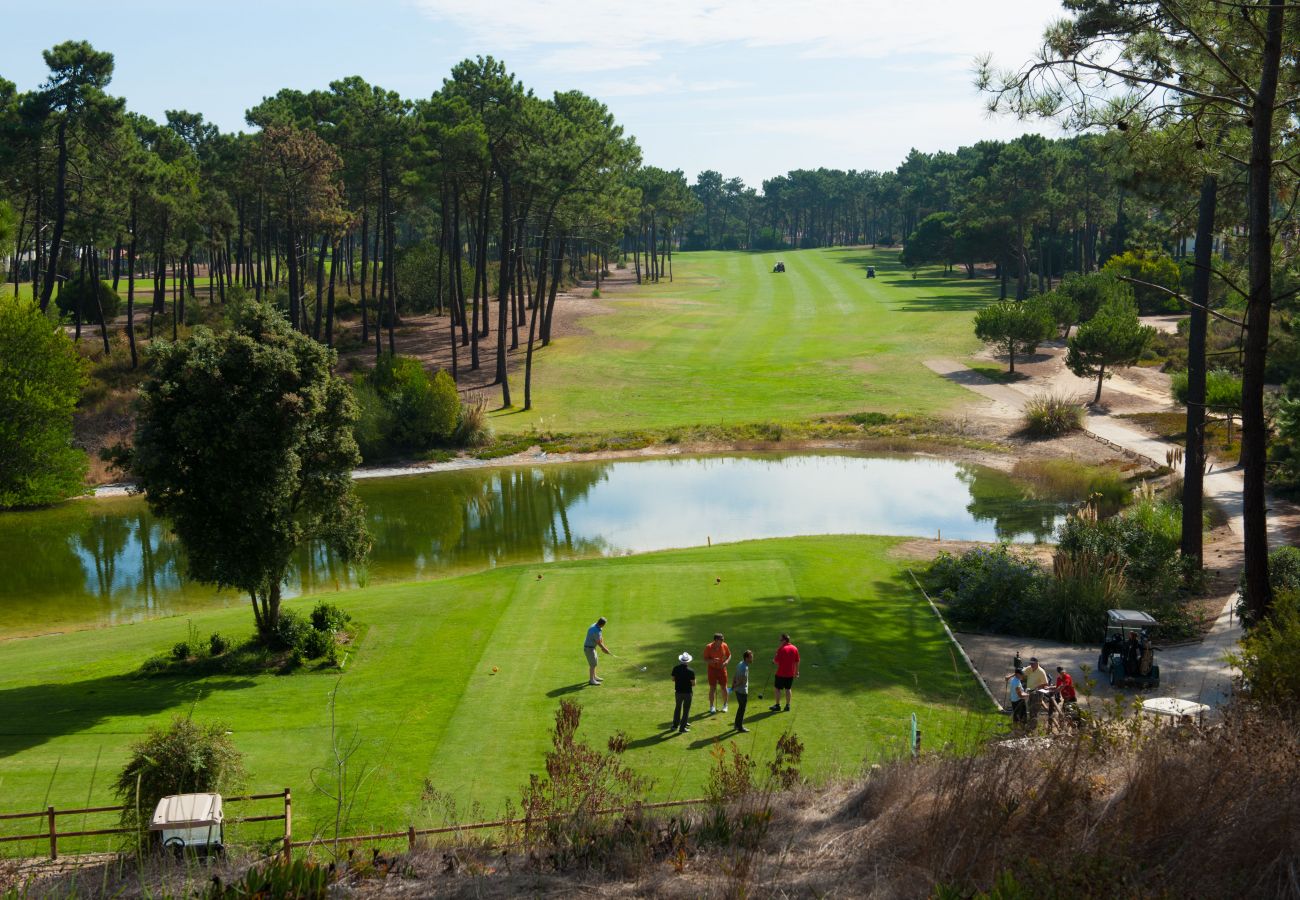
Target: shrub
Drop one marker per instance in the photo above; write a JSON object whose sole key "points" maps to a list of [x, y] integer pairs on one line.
{"points": [[186, 757], [1270, 653], [1144, 538], [80, 292], [291, 630], [329, 618], [41, 379], [402, 408], [181, 651], [987, 588], [316, 644], [1083, 587], [1283, 576], [1222, 389], [1052, 415], [217, 644], [1152, 267]]}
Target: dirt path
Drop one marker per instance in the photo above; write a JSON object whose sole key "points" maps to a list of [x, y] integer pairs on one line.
{"points": [[1196, 671]]}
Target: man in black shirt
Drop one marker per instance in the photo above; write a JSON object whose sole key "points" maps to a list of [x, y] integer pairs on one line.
{"points": [[684, 682]]}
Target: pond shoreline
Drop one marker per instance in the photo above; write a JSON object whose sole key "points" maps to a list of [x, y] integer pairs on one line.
{"points": [[934, 448]]}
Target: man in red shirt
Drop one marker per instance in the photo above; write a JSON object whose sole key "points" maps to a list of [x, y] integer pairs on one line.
{"points": [[1065, 686], [787, 670]]}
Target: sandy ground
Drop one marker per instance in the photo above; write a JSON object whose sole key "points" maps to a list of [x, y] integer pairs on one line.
{"points": [[1195, 671]]}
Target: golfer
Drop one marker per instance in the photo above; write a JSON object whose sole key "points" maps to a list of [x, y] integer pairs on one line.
{"points": [[741, 689], [684, 687], [595, 638], [717, 655], [787, 670]]}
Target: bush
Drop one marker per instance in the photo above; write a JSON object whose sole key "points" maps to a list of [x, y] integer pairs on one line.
{"points": [[403, 409], [1222, 389], [80, 292], [316, 643], [182, 651], [41, 379], [1270, 652], [186, 757], [1144, 538], [1082, 589], [291, 630], [1093, 291], [217, 644], [329, 618], [1051, 415], [1283, 576], [1153, 267], [987, 588]]}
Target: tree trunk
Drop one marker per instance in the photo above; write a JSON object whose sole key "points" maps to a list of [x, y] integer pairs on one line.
{"points": [[60, 213], [1101, 375], [503, 290], [1192, 544], [99, 304], [130, 288], [365, 260], [1254, 426], [329, 310]]}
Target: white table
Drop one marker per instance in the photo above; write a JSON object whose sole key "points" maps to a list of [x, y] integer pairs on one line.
{"points": [[1175, 710]]}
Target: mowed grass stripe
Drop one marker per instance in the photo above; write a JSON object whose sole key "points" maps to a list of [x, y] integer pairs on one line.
{"points": [[730, 341]]}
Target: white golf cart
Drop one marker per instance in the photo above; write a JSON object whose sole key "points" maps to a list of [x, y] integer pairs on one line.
{"points": [[190, 823]]}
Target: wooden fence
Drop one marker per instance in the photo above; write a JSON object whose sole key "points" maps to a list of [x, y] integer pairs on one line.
{"points": [[410, 835], [51, 815]]}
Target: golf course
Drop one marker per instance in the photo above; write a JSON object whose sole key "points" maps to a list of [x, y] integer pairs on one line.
{"points": [[728, 340], [419, 700]]}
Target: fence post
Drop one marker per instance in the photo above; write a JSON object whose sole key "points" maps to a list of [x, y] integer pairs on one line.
{"points": [[410, 838], [54, 836], [288, 826]]}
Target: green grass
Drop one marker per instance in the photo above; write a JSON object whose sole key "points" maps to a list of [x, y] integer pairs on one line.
{"points": [[729, 341], [420, 700]]}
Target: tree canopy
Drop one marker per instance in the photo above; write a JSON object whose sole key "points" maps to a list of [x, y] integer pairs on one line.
{"points": [[244, 443], [41, 376]]}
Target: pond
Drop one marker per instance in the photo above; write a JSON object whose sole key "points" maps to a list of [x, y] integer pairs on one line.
{"points": [[106, 561]]}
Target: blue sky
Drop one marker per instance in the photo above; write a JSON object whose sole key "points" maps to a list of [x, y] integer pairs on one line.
{"points": [[749, 87]]}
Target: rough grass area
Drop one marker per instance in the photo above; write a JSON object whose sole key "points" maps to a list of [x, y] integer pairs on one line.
{"points": [[729, 341], [456, 682], [1172, 426], [1126, 811]]}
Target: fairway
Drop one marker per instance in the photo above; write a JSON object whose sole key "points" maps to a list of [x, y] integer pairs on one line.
{"points": [[729, 341], [421, 702]]}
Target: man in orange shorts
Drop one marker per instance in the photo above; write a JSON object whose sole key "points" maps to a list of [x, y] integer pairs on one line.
{"points": [[717, 655]]}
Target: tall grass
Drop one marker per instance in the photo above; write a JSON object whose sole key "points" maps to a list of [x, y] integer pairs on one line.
{"points": [[1050, 415], [1067, 479]]}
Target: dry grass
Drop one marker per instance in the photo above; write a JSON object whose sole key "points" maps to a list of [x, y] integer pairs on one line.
{"points": [[1119, 810]]}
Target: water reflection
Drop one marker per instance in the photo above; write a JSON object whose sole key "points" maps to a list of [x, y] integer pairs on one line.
{"points": [[107, 561]]}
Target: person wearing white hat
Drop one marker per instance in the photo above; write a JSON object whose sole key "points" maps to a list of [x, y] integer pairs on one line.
{"points": [[684, 683]]}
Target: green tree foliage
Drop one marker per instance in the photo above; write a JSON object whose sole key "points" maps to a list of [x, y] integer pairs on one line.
{"points": [[932, 242], [1062, 307], [77, 296], [41, 376], [403, 409], [1222, 390], [1114, 337], [1093, 291], [185, 758], [1154, 270], [244, 442], [1014, 327], [1270, 654]]}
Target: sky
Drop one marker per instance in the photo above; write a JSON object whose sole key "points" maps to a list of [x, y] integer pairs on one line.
{"points": [[751, 88]]}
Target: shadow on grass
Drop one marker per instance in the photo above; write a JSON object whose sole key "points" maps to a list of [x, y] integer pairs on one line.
{"points": [[847, 646], [33, 714], [567, 689]]}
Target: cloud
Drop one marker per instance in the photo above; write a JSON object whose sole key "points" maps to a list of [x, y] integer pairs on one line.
{"points": [[873, 29], [663, 84]]}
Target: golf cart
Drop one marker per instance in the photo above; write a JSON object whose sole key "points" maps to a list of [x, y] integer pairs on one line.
{"points": [[192, 823], [779, 267], [871, 271], [1127, 654]]}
